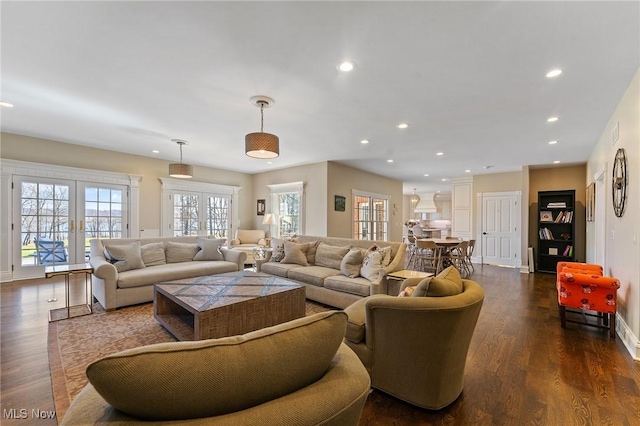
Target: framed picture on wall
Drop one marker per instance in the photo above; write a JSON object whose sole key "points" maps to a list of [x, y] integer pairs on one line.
{"points": [[340, 203], [261, 207]]}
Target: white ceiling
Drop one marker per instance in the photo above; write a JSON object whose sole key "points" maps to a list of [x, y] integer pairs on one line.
{"points": [[468, 77]]}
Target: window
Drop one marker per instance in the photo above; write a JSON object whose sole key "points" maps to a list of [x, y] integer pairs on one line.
{"points": [[195, 208], [103, 212], [370, 217], [288, 201]]}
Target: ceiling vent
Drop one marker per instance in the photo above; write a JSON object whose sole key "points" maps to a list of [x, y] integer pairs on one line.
{"points": [[426, 204]]}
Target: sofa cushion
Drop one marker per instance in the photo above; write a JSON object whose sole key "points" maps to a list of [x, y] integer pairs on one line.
{"points": [[153, 254], [330, 256], [125, 257], [210, 249], [314, 275], [295, 253], [446, 283], [359, 286], [312, 248], [184, 380], [173, 271], [180, 252], [351, 263], [356, 315], [277, 268]]}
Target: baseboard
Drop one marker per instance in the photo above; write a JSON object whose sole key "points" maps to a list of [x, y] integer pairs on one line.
{"points": [[6, 276], [525, 269], [630, 341]]}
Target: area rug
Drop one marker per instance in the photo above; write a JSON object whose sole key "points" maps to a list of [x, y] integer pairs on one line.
{"points": [[75, 343]]}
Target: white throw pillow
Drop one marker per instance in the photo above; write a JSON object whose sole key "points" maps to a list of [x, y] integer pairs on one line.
{"points": [[210, 249], [125, 257], [372, 265]]}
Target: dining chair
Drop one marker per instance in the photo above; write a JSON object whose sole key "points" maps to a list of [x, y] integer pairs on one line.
{"points": [[428, 256], [457, 256], [470, 248], [410, 241]]}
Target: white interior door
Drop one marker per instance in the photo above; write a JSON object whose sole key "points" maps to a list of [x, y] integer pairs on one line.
{"points": [[500, 229]]}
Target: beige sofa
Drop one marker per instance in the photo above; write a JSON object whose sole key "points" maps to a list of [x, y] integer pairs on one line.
{"points": [[258, 378], [170, 258], [328, 284], [415, 348], [248, 239]]}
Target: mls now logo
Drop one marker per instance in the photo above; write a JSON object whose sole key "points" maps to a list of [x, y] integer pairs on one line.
{"points": [[23, 413]]}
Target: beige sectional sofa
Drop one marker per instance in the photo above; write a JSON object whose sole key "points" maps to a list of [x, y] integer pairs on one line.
{"points": [[137, 264], [324, 272]]}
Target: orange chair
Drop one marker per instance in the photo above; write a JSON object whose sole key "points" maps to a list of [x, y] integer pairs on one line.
{"points": [[582, 286]]}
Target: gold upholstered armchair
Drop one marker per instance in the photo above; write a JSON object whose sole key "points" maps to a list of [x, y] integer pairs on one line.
{"points": [[415, 348]]}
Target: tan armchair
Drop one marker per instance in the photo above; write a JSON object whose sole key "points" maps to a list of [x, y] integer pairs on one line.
{"points": [[415, 348], [248, 239]]}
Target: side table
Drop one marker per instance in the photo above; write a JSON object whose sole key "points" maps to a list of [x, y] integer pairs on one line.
{"points": [[398, 277], [260, 253], [68, 270]]}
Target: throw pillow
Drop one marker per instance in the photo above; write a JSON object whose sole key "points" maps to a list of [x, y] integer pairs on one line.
{"points": [[351, 263], [330, 256], [312, 248], [407, 292], [386, 255], [153, 254], [187, 380], [278, 250], [295, 253], [180, 252], [422, 288], [446, 283], [372, 265], [125, 257], [210, 249]]}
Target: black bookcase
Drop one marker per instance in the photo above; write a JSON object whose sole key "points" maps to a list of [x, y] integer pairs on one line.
{"points": [[556, 228]]}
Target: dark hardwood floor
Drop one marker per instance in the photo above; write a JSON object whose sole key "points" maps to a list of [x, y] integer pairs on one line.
{"points": [[522, 369]]}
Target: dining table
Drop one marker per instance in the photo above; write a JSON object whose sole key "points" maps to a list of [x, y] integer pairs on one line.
{"points": [[446, 244]]}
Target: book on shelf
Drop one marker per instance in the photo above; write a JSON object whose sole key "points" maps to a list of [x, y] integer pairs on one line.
{"points": [[545, 234], [557, 205], [546, 216], [568, 251]]}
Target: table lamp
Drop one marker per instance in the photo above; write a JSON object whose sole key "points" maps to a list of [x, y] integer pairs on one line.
{"points": [[268, 219]]}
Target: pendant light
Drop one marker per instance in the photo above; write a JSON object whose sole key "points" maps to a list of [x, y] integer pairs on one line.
{"points": [[180, 170], [260, 144]]}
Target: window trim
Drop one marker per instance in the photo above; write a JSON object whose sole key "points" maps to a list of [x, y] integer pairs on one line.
{"points": [[286, 188], [172, 185]]}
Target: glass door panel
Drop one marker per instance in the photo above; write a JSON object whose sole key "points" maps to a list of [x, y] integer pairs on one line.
{"points": [[102, 213]]}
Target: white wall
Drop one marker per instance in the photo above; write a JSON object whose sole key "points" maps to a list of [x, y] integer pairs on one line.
{"points": [[622, 254]]}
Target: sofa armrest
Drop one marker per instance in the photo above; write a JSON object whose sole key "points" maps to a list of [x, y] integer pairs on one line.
{"points": [[570, 278], [103, 269], [262, 242], [260, 262], [234, 242], [397, 263], [236, 256]]}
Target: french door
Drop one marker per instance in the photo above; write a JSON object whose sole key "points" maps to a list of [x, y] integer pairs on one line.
{"points": [[370, 217], [54, 219]]}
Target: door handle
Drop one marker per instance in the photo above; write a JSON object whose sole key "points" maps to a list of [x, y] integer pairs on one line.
{"points": [[81, 228], [484, 233], [72, 226]]}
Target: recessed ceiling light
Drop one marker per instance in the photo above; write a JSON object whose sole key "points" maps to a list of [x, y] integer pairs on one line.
{"points": [[467, 171], [552, 119], [364, 141], [444, 179], [155, 151], [487, 167], [439, 153], [556, 162], [346, 66], [6, 104], [554, 73], [426, 175], [553, 142], [403, 126], [269, 162], [389, 160]]}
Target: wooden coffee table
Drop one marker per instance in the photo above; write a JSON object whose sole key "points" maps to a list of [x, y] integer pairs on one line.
{"points": [[228, 304]]}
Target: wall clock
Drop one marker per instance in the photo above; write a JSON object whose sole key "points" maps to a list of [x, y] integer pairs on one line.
{"points": [[619, 183]]}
